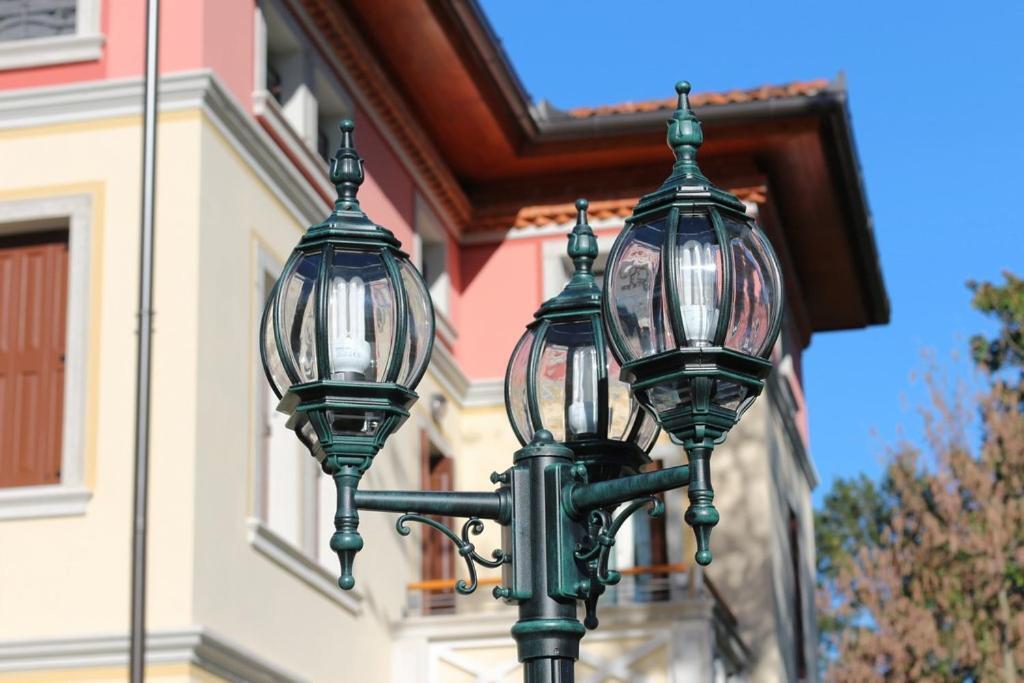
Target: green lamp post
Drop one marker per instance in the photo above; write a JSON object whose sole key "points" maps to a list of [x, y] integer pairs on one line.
{"points": [[690, 309]]}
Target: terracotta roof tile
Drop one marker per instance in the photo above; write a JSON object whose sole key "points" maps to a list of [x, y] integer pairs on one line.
{"points": [[600, 210], [759, 94]]}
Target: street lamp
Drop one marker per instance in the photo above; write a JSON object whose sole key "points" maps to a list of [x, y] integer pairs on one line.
{"points": [[693, 305], [561, 377], [691, 308]]}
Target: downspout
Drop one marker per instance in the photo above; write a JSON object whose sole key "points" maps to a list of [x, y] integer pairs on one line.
{"points": [[137, 654]]}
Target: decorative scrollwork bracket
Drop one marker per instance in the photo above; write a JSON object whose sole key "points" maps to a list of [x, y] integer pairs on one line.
{"points": [[474, 526], [596, 549]]}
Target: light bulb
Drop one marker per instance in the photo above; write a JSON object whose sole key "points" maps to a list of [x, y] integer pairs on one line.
{"points": [[583, 408], [698, 298], [350, 352]]}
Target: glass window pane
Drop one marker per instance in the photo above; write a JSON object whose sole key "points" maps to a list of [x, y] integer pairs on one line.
{"points": [[283, 468], [22, 19]]}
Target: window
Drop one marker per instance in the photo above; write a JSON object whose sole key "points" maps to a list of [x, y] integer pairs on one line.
{"points": [[438, 554], [40, 32], [433, 255], [44, 334], [793, 528], [650, 551], [299, 96], [293, 501], [33, 301]]}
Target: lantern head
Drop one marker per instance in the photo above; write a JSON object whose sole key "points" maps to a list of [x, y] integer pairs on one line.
{"points": [[561, 377], [693, 297], [348, 328]]}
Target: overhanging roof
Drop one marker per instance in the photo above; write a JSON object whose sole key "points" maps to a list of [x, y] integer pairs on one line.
{"points": [[453, 90]]}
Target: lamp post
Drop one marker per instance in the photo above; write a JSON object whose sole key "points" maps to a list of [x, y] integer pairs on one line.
{"points": [[690, 309]]}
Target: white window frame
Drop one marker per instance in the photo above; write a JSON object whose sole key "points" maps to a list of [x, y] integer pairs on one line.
{"points": [[73, 212], [84, 45], [427, 228], [302, 562]]}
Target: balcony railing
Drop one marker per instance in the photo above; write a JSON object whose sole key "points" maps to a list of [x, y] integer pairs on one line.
{"points": [[639, 585]]}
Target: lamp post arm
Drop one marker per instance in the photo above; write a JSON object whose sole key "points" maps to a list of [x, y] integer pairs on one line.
{"points": [[582, 498], [495, 505]]}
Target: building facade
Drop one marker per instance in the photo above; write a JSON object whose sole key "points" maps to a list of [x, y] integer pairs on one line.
{"points": [[477, 182]]}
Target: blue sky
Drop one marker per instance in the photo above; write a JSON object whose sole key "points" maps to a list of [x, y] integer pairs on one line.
{"points": [[937, 96]]}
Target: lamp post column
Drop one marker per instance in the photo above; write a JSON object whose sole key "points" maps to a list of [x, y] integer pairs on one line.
{"points": [[547, 633]]}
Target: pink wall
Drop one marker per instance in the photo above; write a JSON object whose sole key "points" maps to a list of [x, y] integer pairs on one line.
{"points": [[501, 285], [501, 290], [387, 194], [194, 34]]}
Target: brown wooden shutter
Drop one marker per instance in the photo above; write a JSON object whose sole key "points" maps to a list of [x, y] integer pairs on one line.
{"points": [[33, 296], [438, 553]]}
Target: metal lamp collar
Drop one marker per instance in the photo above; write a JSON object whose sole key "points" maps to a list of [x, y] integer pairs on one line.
{"points": [[581, 294]]}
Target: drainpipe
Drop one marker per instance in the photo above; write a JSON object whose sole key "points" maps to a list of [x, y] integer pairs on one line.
{"points": [[137, 653]]}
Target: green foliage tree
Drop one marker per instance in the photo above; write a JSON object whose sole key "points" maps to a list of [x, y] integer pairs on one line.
{"points": [[921, 577]]}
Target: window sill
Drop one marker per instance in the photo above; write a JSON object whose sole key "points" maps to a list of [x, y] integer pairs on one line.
{"points": [[287, 556], [56, 500], [270, 114], [22, 54]]}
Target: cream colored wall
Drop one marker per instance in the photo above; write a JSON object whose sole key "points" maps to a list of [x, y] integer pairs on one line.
{"points": [[756, 477], [70, 575]]}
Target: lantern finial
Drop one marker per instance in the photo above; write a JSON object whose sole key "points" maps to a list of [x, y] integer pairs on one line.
{"points": [[685, 135], [582, 243], [347, 169]]}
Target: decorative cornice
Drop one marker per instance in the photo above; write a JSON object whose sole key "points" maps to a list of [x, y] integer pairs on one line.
{"points": [[200, 89], [197, 646]]}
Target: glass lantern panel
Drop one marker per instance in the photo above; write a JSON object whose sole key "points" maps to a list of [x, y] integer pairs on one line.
{"points": [[698, 274], [516, 400], [360, 317], [729, 395], [622, 409], [671, 395], [279, 381], [636, 298], [753, 296], [420, 328], [567, 381], [296, 308], [354, 422]]}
